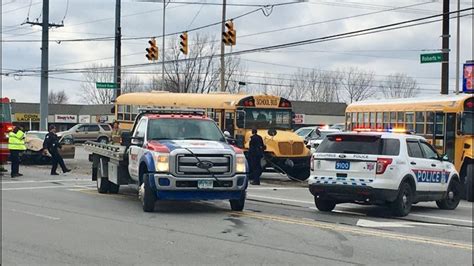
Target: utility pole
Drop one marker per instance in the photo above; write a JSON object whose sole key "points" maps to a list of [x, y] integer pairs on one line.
{"points": [[445, 49], [118, 51], [163, 48], [458, 46], [223, 47], [44, 63]]}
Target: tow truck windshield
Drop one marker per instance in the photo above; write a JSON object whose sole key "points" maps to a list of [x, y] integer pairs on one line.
{"points": [[184, 129]]}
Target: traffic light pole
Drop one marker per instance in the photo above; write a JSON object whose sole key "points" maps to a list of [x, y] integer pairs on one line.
{"points": [[44, 63], [445, 49], [223, 48], [117, 51], [458, 47], [163, 48]]}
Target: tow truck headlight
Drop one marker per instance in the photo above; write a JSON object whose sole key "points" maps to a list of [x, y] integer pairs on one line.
{"points": [[240, 164], [162, 162]]}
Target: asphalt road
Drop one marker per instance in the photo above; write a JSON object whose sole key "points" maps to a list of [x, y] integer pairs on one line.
{"points": [[63, 220]]}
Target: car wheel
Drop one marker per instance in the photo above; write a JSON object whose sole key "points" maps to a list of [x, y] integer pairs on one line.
{"points": [[103, 184], [469, 184], [113, 188], [103, 140], [238, 204], [453, 196], [402, 205], [146, 195], [324, 205]]}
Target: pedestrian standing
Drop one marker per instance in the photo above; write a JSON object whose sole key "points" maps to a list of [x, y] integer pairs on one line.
{"points": [[16, 145], [51, 143], [255, 154], [116, 133]]}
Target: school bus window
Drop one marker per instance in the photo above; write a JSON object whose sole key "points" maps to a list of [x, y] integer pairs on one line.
{"points": [[410, 117], [400, 117], [372, 120], [119, 116], [429, 117], [393, 118], [127, 116], [386, 117], [366, 120], [360, 120]]}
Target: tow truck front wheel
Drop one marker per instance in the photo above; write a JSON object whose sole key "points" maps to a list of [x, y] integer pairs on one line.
{"points": [[238, 204], [146, 195]]}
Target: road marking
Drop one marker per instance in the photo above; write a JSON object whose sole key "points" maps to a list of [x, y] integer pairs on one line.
{"points": [[46, 181], [375, 224], [282, 199], [36, 214], [355, 230], [441, 218], [45, 187]]}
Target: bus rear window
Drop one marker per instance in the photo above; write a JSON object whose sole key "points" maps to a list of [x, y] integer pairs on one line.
{"points": [[359, 144]]}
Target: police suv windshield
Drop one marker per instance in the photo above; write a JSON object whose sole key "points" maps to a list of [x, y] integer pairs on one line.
{"points": [[359, 144], [184, 129]]}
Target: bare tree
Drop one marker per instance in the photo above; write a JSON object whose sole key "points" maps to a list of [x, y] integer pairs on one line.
{"points": [[356, 85], [200, 73], [315, 85], [59, 97], [399, 85], [102, 73], [89, 93]]}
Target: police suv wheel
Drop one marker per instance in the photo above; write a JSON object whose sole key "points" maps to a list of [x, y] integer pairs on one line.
{"points": [[103, 184], [238, 205], [324, 205], [452, 198], [402, 204]]}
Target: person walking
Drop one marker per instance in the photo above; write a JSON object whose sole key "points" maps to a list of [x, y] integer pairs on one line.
{"points": [[51, 144], [255, 154], [16, 145]]}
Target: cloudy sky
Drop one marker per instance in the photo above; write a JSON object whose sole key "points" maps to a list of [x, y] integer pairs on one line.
{"points": [[384, 53]]}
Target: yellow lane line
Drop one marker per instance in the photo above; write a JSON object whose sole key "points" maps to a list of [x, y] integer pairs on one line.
{"points": [[355, 230]]}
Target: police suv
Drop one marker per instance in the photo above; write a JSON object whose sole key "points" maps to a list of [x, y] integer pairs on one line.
{"points": [[381, 168]]}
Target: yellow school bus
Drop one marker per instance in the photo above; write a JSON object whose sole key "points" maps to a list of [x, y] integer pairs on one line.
{"points": [[445, 121], [237, 114]]}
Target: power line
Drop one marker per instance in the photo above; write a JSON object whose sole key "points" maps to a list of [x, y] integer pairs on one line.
{"points": [[299, 43]]}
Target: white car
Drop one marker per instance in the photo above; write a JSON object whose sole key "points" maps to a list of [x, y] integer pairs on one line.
{"points": [[382, 168], [318, 136]]}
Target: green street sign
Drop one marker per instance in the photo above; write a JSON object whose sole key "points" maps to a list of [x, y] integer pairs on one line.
{"points": [[105, 85], [431, 58]]}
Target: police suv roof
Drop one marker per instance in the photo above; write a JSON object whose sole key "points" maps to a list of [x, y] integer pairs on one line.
{"points": [[384, 135]]}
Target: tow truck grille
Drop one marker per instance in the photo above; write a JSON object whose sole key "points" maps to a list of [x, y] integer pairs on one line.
{"points": [[217, 164]]}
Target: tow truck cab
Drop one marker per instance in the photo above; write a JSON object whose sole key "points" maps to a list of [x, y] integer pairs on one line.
{"points": [[184, 156]]}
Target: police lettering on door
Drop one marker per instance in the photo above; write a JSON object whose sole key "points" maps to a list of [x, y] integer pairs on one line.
{"points": [[431, 176]]}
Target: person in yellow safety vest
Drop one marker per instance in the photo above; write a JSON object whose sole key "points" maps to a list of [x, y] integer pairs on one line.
{"points": [[116, 133], [16, 144]]}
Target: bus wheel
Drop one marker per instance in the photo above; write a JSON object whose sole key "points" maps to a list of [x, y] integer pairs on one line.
{"points": [[299, 174], [469, 184]]}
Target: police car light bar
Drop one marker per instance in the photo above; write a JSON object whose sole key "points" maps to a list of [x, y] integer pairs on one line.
{"points": [[391, 130]]}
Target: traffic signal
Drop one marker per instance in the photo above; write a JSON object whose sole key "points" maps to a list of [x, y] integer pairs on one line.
{"points": [[152, 51], [230, 35], [184, 43]]}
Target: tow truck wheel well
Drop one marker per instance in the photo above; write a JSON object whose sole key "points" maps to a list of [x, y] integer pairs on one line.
{"points": [[143, 169]]}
